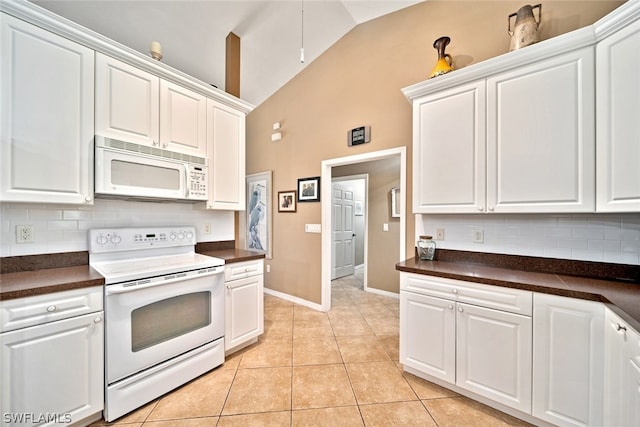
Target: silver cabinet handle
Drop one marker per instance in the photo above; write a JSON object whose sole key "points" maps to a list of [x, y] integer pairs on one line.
{"points": [[620, 327], [97, 320], [51, 308], [450, 307]]}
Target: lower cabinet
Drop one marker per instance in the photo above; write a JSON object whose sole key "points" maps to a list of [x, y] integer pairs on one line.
{"points": [[52, 373], [622, 373], [568, 360], [480, 349], [244, 304]]}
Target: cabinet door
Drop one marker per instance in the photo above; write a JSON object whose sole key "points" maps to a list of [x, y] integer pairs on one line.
{"points": [[428, 335], [615, 357], [56, 369], [244, 310], [127, 102], [183, 120], [494, 355], [46, 98], [631, 394], [568, 360], [617, 124], [541, 137], [449, 150], [226, 157]]}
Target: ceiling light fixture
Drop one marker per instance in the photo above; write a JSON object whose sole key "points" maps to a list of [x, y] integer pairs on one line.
{"points": [[302, 32]]}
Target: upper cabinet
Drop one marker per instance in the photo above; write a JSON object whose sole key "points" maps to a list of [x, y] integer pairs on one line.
{"points": [[552, 127], [540, 136], [617, 124], [47, 116], [514, 137], [226, 157], [136, 106]]}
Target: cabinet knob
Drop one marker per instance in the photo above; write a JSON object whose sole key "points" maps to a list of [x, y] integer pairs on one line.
{"points": [[455, 291], [97, 320], [87, 199], [450, 307], [460, 309], [620, 327], [480, 208], [155, 144], [51, 308], [491, 208]]}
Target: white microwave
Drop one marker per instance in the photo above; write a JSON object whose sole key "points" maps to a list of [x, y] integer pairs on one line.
{"points": [[127, 170]]}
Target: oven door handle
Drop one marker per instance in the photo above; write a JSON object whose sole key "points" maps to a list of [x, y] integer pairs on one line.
{"points": [[138, 285]]}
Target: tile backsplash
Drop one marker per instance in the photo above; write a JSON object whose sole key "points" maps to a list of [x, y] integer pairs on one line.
{"points": [[613, 238], [63, 228]]}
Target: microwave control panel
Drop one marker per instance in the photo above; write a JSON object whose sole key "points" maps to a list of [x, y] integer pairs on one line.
{"points": [[198, 182]]}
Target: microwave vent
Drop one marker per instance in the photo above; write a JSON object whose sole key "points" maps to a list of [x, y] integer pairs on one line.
{"points": [[152, 151]]}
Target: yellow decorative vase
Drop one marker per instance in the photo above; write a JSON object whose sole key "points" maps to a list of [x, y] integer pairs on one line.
{"points": [[444, 64]]}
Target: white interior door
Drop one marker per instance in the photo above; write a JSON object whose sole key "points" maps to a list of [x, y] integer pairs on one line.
{"points": [[343, 231]]}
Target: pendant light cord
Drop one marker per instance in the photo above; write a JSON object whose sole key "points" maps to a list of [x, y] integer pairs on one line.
{"points": [[302, 31]]}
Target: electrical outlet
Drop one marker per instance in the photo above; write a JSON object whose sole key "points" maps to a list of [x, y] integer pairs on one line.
{"points": [[207, 228], [25, 234], [440, 234], [268, 268], [478, 236]]}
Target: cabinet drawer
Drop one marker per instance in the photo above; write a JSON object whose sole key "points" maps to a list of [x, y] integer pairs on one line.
{"points": [[244, 269], [23, 312], [496, 297]]}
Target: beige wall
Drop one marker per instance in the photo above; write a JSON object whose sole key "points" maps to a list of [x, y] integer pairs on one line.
{"points": [[357, 82]]}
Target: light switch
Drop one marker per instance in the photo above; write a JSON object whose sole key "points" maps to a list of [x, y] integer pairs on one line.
{"points": [[313, 228], [385, 227]]}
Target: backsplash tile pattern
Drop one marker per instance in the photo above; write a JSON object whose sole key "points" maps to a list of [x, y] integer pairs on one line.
{"points": [[613, 238], [63, 228]]}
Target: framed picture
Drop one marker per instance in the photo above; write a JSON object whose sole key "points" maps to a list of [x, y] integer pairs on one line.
{"points": [[258, 214], [287, 201], [395, 202], [309, 189]]}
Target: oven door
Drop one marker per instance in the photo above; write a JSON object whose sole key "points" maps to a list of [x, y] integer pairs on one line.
{"points": [[150, 321]]}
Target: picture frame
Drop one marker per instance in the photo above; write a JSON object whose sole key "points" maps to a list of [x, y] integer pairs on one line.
{"points": [[309, 189], [258, 213], [287, 201], [395, 202]]}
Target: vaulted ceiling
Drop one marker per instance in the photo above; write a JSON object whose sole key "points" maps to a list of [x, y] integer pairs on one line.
{"points": [[192, 33]]}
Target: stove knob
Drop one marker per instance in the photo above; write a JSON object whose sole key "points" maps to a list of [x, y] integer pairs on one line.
{"points": [[181, 235], [172, 236], [102, 239], [189, 235], [115, 239]]}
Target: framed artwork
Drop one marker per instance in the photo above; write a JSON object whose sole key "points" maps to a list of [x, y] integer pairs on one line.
{"points": [[395, 202], [309, 189], [258, 214], [287, 201]]}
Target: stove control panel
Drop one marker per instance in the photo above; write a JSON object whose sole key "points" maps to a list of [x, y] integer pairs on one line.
{"points": [[122, 239]]}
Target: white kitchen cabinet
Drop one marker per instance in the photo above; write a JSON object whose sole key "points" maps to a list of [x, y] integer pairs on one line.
{"points": [[226, 157], [428, 335], [135, 106], [512, 134], [244, 304], [47, 116], [617, 124], [447, 332], [449, 160], [53, 372], [622, 373], [540, 136], [568, 360], [183, 119]]}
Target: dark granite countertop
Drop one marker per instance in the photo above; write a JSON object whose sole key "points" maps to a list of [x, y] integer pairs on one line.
{"points": [[39, 282], [47, 273], [621, 297]]}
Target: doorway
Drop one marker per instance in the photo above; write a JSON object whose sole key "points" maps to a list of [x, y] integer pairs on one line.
{"points": [[328, 166]]}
